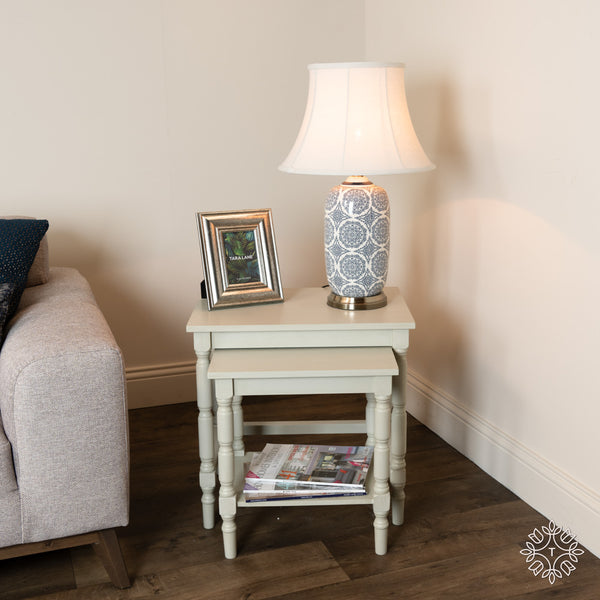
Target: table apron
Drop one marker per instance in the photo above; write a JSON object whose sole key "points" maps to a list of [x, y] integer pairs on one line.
{"points": [[398, 339], [312, 385]]}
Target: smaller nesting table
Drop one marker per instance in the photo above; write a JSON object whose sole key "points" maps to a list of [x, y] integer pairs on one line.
{"points": [[249, 372]]}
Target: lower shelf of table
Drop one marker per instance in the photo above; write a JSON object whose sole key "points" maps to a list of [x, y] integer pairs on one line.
{"points": [[241, 468]]}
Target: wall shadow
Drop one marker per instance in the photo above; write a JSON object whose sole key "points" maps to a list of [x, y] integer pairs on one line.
{"points": [[439, 346]]}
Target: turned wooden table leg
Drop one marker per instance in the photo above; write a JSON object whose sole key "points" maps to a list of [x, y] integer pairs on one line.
{"points": [[398, 441], [381, 467], [238, 427], [207, 475], [370, 419], [225, 436]]}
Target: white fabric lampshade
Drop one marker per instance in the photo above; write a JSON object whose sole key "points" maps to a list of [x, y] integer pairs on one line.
{"points": [[356, 123]]}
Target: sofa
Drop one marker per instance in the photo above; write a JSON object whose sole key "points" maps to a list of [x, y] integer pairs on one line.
{"points": [[64, 462]]}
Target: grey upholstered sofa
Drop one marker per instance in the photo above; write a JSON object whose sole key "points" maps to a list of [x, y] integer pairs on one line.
{"points": [[63, 423]]}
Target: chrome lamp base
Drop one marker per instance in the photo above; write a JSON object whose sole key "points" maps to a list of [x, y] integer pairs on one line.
{"points": [[365, 303]]}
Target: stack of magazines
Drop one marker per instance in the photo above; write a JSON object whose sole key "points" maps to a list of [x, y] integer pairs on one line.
{"points": [[295, 471]]}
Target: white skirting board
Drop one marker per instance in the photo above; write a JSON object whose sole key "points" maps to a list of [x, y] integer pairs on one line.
{"points": [[548, 489], [545, 487], [158, 385]]}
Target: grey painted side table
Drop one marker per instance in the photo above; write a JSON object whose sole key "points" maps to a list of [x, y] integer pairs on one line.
{"points": [[303, 320]]}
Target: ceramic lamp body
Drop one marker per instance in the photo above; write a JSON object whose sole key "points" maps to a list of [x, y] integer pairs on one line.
{"points": [[357, 239]]}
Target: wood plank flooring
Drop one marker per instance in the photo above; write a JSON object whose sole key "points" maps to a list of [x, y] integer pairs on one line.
{"points": [[461, 538]]}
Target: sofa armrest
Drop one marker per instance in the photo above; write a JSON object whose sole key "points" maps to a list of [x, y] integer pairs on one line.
{"points": [[63, 406]]}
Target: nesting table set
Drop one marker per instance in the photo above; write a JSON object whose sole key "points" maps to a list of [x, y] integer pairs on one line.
{"points": [[301, 346]]}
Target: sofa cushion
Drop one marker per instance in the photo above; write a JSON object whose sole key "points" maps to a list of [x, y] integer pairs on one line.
{"points": [[7, 290], [19, 242]]}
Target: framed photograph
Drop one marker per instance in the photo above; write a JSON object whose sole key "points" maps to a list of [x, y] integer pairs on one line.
{"points": [[239, 258]]}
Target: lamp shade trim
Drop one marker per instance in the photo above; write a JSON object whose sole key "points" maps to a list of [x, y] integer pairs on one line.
{"points": [[345, 173], [355, 65]]}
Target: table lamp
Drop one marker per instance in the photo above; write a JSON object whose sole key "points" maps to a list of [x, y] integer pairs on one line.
{"points": [[356, 123]]}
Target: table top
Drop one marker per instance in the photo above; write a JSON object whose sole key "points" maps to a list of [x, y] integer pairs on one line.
{"points": [[302, 362], [302, 308]]}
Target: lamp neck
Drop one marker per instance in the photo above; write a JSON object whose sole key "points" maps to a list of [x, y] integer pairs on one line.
{"points": [[357, 180]]}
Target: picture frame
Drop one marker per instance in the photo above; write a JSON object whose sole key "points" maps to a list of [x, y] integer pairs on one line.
{"points": [[239, 257]]}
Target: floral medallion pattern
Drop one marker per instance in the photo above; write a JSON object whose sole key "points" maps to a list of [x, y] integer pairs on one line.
{"points": [[357, 225]]}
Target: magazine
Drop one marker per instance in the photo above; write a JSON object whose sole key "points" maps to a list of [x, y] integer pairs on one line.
{"points": [[307, 466], [264, 491]]}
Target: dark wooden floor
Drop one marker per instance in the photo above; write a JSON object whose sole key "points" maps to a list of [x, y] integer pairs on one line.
{"points": [[461, 538]]}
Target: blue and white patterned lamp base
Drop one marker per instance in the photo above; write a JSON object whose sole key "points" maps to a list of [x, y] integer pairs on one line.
{"points": [[357, 244]]}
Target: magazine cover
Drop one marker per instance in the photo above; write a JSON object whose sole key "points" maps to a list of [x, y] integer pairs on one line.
{"points": [[345, 466]]}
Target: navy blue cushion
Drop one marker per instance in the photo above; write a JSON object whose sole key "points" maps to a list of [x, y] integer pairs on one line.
{"points": [[19, 243]]}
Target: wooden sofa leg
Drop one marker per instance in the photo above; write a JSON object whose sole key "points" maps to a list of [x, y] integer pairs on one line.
{"points": [[108, 549]]}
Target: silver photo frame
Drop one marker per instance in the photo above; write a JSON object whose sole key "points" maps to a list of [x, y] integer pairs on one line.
{"points": [[239, 258]]}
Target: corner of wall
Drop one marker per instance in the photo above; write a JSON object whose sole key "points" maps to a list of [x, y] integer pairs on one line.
{"points": [[544, 486]]}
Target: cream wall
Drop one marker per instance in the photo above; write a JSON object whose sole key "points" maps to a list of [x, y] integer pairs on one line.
{"points": [[497, 251], [120, 120]]}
